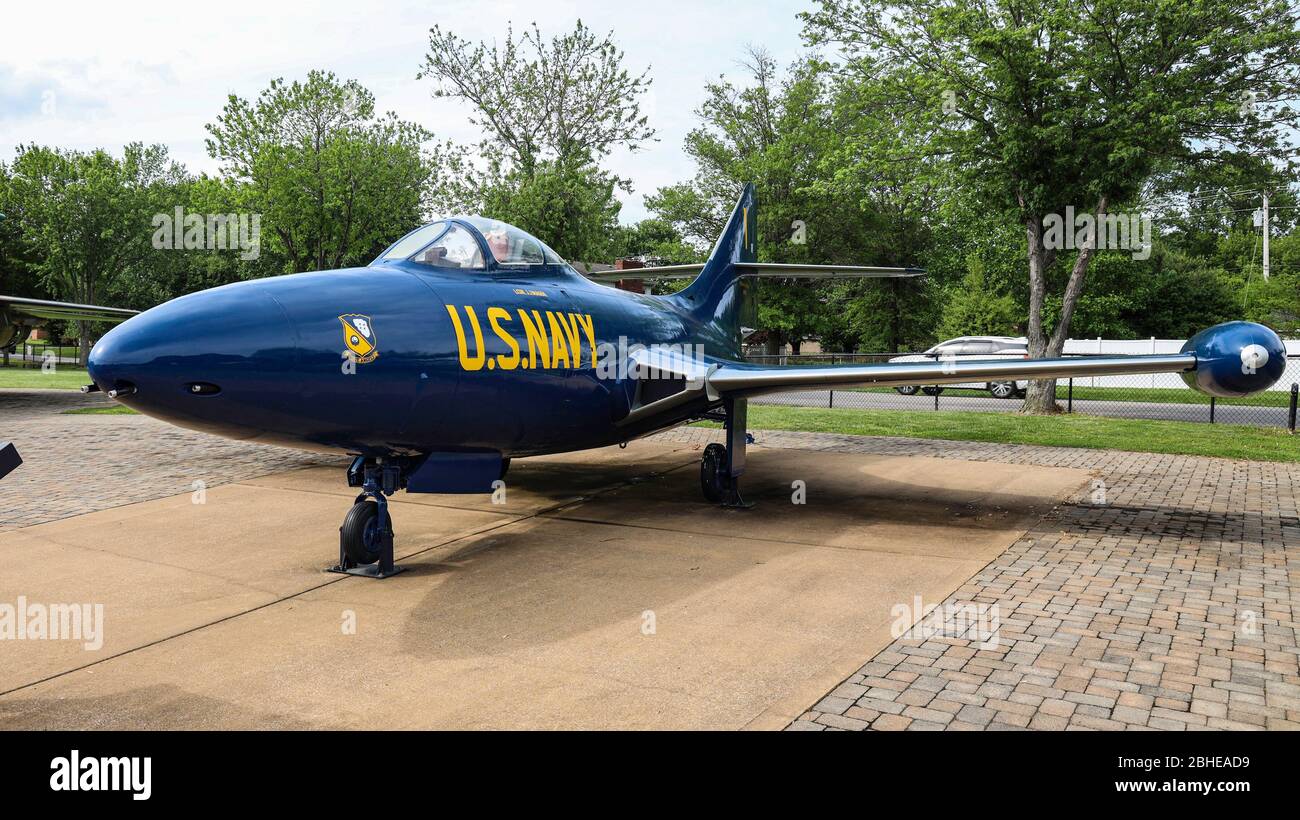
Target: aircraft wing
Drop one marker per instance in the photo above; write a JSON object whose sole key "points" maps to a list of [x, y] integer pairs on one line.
{"points": [[1228, 360], [18, 308], [742, 380], [762, 270]]}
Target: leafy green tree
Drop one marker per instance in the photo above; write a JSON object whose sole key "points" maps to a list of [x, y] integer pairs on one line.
{"points": [[656, 241], [753, 134], [550, 112], [170, 270], [1052, 104], [572, 209], [85, 216], [975, 309], [783, 133], [18, 267], [334, 183]]}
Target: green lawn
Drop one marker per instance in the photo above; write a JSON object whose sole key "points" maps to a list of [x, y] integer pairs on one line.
{"points": [[62, 378], [1145, 394], [1167, 396], [1138, 435], [109, 410]]}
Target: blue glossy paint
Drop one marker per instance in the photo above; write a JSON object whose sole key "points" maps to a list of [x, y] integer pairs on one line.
{"points": [[274, 348]]}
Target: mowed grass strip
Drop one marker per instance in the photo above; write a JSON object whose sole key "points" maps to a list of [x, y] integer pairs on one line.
{"points": [[1153, 395], [110, 410], [1075, 430], [57, 378]]}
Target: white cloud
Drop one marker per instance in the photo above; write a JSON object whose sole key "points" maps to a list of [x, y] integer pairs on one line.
{"points": [[117, 74]]}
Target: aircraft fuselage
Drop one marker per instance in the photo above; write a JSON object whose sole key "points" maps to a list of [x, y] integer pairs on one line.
{"points": [[454, 360]]}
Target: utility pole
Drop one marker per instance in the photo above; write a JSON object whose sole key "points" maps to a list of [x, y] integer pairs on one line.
{"points": [[1266, 236]]}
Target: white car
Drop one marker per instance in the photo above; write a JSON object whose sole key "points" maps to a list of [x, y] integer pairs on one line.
{"points": [[973, 347]]}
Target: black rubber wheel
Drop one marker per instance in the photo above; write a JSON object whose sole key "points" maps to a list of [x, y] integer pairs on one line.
{"points": [[714, 481], [931, 391], [1002, 390], [361, 533], [907, 389]]}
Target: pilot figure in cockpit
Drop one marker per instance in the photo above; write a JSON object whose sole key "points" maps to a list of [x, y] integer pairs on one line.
{"points": [[499, 243]]}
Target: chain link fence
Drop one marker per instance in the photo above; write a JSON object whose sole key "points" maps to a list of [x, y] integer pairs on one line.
{"points": [[30, 355], [1161, 396]]}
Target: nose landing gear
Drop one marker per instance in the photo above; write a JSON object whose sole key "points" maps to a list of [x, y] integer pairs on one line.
{"points": [[366, 537]]}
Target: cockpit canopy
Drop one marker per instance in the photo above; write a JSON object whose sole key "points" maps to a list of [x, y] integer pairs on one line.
{"points": [[470, 243]]}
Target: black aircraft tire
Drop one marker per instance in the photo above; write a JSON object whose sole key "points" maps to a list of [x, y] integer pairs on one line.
{"points": [[361, 521], [907, 389], [931, 391], [713, 477]]}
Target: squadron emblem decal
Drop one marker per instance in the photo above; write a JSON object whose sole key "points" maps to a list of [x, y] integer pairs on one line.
{"points": [[359, 336]]}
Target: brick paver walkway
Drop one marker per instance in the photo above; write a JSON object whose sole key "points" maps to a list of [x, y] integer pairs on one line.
{"points": [[1172, 605], [74, 464]]}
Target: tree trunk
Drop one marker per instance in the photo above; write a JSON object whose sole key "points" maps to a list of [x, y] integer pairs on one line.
{"points": [[774, 342], [83, 343], [1040, 396]]}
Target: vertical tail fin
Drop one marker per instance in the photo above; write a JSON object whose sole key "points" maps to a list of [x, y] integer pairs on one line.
{"points": [[718, 296]]}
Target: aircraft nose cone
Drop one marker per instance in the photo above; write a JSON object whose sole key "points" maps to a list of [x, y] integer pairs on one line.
{"points": [[231, 345]]}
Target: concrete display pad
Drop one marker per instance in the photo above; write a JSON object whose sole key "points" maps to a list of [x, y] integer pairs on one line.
{"points": [[604, 593]]}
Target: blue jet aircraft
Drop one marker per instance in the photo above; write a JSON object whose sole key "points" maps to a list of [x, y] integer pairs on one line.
{"points": [[469, 342]]}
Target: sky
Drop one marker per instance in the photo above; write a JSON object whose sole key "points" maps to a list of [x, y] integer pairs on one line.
{"points": [[89, 75]]}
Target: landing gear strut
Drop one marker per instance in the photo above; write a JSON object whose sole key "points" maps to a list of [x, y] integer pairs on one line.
{"points": [[366, 537], [721, 467]]}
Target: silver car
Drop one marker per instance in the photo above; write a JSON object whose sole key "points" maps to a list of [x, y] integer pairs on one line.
{"points": [[972, 347]]}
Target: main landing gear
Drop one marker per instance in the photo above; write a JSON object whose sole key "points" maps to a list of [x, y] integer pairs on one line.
{"points": [[721, 467], [366, 537]]}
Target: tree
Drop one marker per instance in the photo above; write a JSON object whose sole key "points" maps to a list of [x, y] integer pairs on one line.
{"points": [[333, 182], [569, 99], [572, 209], [1054, 104], [783, 133], [975, 309], [85, 216], [18, 273], [550, 112], [654, 241], [757, 133]]}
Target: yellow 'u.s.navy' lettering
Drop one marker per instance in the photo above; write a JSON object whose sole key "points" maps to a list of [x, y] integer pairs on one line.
{"points": [[559, 350], [467, 361], [535, 335], [497, 315], [545, 339]]}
